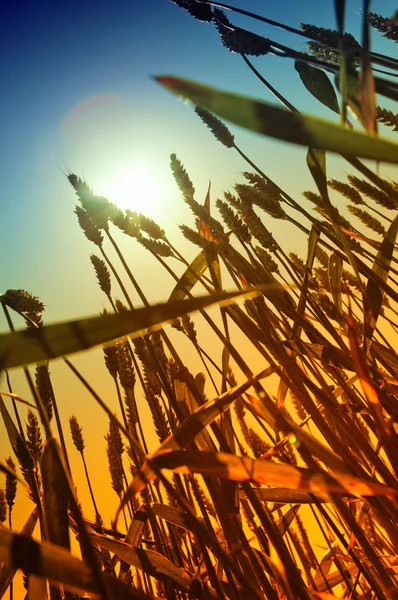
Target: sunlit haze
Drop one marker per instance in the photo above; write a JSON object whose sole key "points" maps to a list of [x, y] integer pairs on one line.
{"points": [[137, 187]]}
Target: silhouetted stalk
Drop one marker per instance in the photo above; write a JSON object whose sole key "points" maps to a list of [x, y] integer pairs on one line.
{"points": [[293, 575], [104, 407], [208, 538], [38, 402], [127, 269], [378, 213], [332, 550], [41, 409], [116, 275], [119, 397], [270, 87], [14, 405]]}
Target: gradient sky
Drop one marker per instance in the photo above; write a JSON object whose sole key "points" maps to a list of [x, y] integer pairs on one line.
{"points": [[77, 94]]}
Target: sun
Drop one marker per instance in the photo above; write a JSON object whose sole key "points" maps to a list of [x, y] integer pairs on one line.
{"points": [[137, 187]]}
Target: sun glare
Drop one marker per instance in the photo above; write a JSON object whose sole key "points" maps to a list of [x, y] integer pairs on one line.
{"points": [[136, 187]]}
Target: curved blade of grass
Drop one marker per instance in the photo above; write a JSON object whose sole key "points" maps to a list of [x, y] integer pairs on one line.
{"points": [[170, 514], [281, 124], [190, 277], [44, 560], [374, 294], [55, 495], [52, 341], [287, 519], [136, 528], [19, 399], [242, 468], [328, 355], [316, 161], [335, 271], [285, 496], [318, 84], [151, 562]]}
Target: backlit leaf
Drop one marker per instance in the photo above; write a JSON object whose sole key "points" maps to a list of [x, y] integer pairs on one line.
{"points": [[335, 271], [242, 468], [318, 84], [374, 294], [51, 341], [279, 123], [151, 562], [44, 560], [7, 573]]}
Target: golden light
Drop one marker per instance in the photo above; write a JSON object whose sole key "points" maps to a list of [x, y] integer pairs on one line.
{"points": [[137, 187]]}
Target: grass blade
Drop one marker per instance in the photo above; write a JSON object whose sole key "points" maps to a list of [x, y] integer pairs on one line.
{"points": [[44, 560], [151, 562], [242, 468], [190, 277], [276, 122], [318, 84], [374, 295], [52, 341]]}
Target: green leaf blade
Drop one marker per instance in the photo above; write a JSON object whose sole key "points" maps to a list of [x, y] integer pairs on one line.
{"points": [[272, 121]]}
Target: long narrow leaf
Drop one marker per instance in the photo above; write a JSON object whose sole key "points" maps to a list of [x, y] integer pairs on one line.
{"points": [[151, 562], [374, 295], [190, 277], [318, 84], [51, 341], [276, 122], [7, 573], [242, 468], [44, 560]]}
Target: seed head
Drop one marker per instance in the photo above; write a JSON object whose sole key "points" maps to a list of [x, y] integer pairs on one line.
{"points": [[239, 40], [77, 435], [11, 485], [200, 11], [43, 382], [115, 450], [23, 302], [218, 129], [34, 441], [3, 507], [181, 177], [103, 275], [90, 230]]}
